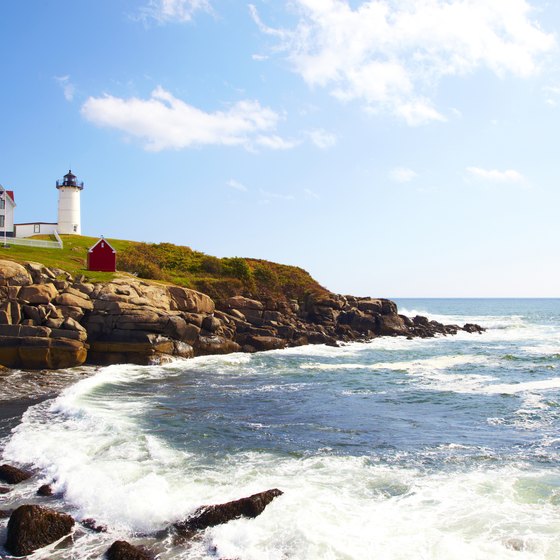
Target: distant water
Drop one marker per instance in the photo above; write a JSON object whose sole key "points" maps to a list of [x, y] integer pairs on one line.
{"points": [[445, 448]]}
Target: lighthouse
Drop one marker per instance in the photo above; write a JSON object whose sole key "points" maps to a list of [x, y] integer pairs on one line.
{"points": [[69, 204]]}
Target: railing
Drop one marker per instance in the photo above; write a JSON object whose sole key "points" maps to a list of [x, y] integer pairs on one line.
{"points": [[42, 243], [57, 237], [72, 183]]}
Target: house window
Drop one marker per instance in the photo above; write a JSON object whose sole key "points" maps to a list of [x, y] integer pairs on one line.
{"points": [[36, 228], [2, 202], [2, 221]]}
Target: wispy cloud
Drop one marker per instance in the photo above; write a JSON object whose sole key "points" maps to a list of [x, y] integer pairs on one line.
{"points": [[402, 175], [552, 95], [165, 122], [165, 11], [391, 55], [496, 176], [237, 185], [268, 196], [312, 195], [67, 86], [322, 138]]}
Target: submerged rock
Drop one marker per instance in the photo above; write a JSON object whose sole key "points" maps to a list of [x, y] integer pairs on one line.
{"points": [[45, 490], [92, 525], [472, 328], [13, 475], [121, 550], [33, 527], [210, 516]]}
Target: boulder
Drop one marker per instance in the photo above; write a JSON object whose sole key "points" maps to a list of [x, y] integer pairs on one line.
{"points": [[45, 490], [29, 352], [84, 287], [33, 313], [391, 325], [370, 305], [243, 303], [388, 307], [66, 311], [72, 300], [261, 343], [38, 293], [13, 274], [4, 489], [182, 349], [33, 527], [211, 324], [121, 550], [13, 475], [183, 299], [420, 320], [210, 516], [73, 325], [207, 345], [177, 328], [92, 525], [472, 328]]}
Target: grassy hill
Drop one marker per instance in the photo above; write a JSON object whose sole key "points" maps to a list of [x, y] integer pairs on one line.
{"points": [[164, 262]]}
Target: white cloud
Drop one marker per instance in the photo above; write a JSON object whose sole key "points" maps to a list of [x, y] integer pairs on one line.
{"points": [[391, 54], [275, 142], [259, 57], [174, 10], [165, 122], [276, 196], [309, 194], [402, 174], [237, 185], [496, 176], [552, 95], [67, 86], [322, 138]]}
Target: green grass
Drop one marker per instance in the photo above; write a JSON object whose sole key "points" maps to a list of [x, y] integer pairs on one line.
{"points": [[165, 262], [71, 258]]}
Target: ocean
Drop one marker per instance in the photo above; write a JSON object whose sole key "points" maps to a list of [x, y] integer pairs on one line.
{"points": [[427, 449]]}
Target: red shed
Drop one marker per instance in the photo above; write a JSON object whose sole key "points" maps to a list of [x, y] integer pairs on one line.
{"points": [[102, 257]]}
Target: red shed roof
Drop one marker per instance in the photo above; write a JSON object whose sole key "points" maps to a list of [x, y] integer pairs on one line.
{"points": [[98, 242]]}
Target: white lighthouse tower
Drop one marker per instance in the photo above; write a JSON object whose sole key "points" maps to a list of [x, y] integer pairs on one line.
{"points": [[69, 204]]}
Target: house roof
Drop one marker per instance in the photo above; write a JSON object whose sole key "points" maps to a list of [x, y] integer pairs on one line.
{"points": [[36, 223], [98, 242], [10, 195]]}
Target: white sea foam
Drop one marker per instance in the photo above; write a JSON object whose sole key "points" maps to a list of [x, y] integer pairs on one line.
{"points": [[348, 508], [528, 386], [115, 471], [435, 373]]}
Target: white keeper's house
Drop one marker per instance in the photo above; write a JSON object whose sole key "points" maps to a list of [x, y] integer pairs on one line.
{"points": [[7, 205], [69, 221]]}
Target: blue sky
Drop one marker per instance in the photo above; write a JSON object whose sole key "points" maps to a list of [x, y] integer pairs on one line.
{"points": [[391, 148]]}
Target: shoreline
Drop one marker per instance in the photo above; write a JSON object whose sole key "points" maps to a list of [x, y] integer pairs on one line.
{"points": [[12, 411], [23, 389]]}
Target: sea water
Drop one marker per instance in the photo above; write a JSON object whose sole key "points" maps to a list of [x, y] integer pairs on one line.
{"points": [[444, 448]]}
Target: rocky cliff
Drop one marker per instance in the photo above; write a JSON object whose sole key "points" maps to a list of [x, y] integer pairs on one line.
{"points": [[50, 320]]}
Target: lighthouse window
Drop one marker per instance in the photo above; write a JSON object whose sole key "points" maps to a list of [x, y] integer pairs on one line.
{"points": [[75, 229]]}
